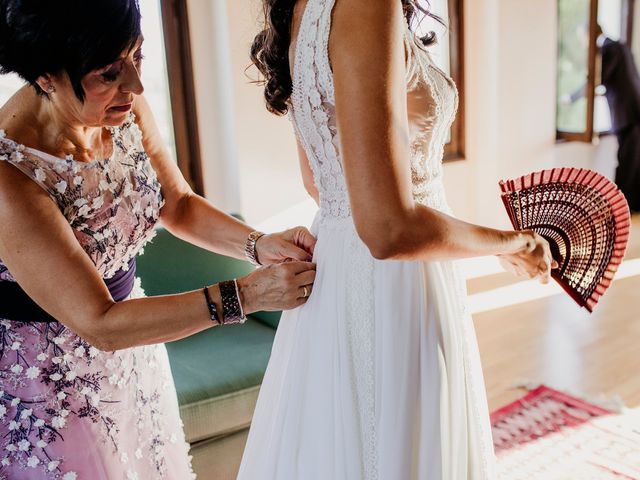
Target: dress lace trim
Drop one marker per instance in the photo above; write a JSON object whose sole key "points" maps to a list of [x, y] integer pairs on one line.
{"points": [[313, 107], [313, 114]]}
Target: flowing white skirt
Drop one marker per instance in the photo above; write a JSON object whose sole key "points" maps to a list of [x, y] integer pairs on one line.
{"points": [[378, 376]]}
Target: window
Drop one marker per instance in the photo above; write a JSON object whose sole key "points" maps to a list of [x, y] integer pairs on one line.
{"points": [[9, 84], [177, 46], [582, 109], [154, 72], [168, 81], [449, 55]]}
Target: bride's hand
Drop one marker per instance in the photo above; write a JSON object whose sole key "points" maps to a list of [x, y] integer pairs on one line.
{"points": [[293, 244], [531, 258]]}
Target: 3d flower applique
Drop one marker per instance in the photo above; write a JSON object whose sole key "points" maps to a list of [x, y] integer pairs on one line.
{"points": [[16, 368], [33, 372], [61, 186], [18, 156]]}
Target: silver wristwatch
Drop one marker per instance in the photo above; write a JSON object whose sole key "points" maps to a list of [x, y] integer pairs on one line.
{"points": [[250, 247]]}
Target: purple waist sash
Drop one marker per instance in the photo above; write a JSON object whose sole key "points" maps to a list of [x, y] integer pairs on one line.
{"points": [[121, 284], [16, 305]]}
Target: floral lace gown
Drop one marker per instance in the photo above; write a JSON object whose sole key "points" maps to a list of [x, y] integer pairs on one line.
{"points": [[67, 410], [378, 376]]}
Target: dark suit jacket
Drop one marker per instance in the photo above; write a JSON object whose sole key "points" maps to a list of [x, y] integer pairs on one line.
{"points": [[621, 79]]}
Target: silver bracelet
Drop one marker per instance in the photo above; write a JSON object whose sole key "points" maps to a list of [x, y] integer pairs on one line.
{"points": [[250, 248], [242, 315], [232, 311]]}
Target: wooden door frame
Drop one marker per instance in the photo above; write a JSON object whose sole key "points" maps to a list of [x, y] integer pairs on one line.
{"points": [[588, 135], [175, 24], [455, 149]]}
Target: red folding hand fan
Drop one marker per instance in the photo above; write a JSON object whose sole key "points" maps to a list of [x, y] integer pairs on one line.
{"points": [[586, 220]]}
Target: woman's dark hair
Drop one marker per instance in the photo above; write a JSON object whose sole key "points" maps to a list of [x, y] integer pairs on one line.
{"points": [[270, 49], [39, 37]]}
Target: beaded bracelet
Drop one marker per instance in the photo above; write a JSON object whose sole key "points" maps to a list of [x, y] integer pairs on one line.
{"points": [[213, 310]]}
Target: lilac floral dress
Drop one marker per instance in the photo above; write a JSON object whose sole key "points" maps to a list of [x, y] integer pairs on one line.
{"points": [[67, 410]]}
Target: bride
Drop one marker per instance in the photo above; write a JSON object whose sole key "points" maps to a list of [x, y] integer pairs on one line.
{"points": [[378, 376]]}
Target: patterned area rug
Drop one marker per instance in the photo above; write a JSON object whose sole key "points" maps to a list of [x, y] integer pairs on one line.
{"points": [[549, 435]]}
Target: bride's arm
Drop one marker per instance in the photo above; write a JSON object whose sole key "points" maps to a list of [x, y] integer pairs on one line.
{"points": [[368, 60]]}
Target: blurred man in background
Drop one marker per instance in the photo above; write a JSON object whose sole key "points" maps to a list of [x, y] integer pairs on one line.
{"points": [[620, 78]]}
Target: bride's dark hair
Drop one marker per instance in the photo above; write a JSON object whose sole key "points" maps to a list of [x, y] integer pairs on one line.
{"points": [[270, 49]]}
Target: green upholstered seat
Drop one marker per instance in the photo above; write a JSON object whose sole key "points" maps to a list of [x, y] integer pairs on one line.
{"points": [[217, 372], [220, 361], [270, 319], [217, 375]]}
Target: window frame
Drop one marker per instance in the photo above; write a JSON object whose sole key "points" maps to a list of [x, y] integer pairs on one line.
{"points": [[177, 43], [455, 149], [588, 134], [628, 11]]}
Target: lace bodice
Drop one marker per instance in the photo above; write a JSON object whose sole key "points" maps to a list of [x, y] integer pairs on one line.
{"points": [[432, 103], [112, 204]]}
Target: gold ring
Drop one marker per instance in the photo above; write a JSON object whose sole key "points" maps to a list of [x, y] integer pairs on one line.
{"points": [[306, 292]]}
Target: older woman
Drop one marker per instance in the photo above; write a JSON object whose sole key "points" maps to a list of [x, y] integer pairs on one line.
{"points": [[85, 386]]}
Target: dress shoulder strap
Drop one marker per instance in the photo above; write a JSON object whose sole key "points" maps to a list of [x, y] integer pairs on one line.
{"points": [[312, 65], [53, 179], [313, 105]]}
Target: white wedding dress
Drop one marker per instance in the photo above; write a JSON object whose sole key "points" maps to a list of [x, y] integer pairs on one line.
{"points": [[378, 376]]}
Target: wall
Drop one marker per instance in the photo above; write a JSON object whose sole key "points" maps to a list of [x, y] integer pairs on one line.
{"points": [[636, 33], [267, 152], [510, 88], [511, 85], [213, 79]]}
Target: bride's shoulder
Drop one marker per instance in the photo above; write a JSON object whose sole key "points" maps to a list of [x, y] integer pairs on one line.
{"points": [[365, 14], [366, 25]]}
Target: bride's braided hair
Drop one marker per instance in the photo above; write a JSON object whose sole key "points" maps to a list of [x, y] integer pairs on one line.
{"points": [[270, 49]]}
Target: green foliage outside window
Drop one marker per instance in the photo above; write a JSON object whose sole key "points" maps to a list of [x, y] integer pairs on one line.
{"points": [[573, 57]]}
